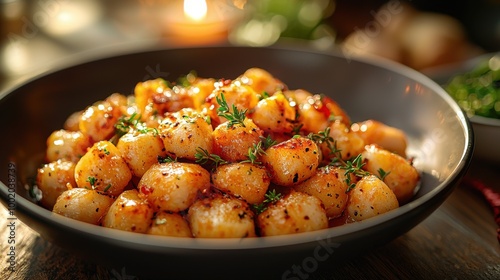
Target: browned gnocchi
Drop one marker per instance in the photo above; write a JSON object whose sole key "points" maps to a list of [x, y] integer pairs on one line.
{"points": [[170, 224], [83, 204], [294, 213], [205, 157], [53, 179], [221, 216], [130, 212]]}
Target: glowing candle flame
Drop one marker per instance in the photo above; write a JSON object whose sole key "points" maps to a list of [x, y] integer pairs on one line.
{"points": [[195, 9]]}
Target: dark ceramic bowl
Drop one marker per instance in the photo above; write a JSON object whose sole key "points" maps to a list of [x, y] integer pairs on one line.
{"points": [[440, 138]]}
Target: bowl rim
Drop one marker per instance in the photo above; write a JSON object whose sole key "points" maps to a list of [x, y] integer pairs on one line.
{"points": [[165, 242], [484, 121]]}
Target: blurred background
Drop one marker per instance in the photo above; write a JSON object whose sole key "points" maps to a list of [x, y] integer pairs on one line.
{"points": [[425, 35]]}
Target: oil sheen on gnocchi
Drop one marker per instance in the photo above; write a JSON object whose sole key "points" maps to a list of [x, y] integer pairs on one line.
{"points": [[223, 158]]}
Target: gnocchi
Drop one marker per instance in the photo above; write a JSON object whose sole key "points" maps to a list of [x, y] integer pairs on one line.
{"points": [[83, 204], [223, 158], [169, 224], [53, 179], [103, 168], [173, 186], [247, 181], [370, 197], [221, 216], [294, 213], [129, 212]]}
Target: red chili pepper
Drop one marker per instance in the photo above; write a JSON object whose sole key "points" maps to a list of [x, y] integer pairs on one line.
{"points": [[492, 197]]}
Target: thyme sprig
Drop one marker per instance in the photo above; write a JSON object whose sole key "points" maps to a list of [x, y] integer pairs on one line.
{"points": [[270, 197], [324, 137], [352, 167], [382, 173], [233, 114], [166, 159], [254, 153], [355, 167], [126, 123], [267, 142], [202, 156], [259, 149]]}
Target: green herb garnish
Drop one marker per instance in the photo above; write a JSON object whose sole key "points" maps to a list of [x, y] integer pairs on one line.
{"points": [[92, 181], [202, 156], [258, 149], [264, 95], [382, 173], [166, 159], [254, 153], [125, 123], [270, 197], [353, 167], [107, 188], [267, 142], [233, 115]]}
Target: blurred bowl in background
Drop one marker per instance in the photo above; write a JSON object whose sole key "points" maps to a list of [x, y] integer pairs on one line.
{"points": [[486, 129]]}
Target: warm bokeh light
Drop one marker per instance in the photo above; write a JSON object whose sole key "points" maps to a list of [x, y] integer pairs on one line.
{"points": [[494, 62], [195, 9], [15, 58], [69, 17]]}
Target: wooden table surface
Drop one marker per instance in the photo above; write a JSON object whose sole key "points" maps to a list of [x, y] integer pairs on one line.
{"points": [[457, 241]]}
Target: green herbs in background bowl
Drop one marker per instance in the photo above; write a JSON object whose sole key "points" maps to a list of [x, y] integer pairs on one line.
{"points": [[475, 86], [477, 91]]}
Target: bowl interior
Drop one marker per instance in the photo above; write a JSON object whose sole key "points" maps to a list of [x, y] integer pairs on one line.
{"points": [[440, 136]]}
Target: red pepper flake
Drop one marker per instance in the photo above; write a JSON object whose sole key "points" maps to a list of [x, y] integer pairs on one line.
{"points": [[492, 197], [145, 190], [226, 81]]}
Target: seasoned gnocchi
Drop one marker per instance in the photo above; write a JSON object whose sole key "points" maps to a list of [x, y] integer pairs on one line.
{"points": [[223, 158], [103, 168], [173, 186], [53, 179], [170, 224], [296, 212], [221, 216], [370, 197], [129, 212], [83, 204], [244, 180], [329, 185]]}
